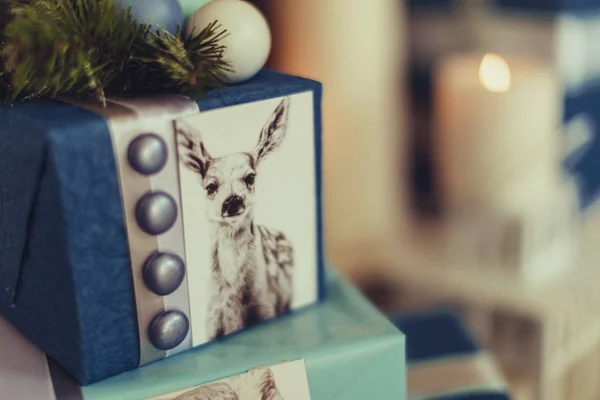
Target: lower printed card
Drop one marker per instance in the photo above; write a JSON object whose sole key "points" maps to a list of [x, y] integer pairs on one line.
{"points": [[273, 382]]}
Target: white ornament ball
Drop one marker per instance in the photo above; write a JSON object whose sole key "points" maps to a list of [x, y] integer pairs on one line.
{"points": [[248, 40]]}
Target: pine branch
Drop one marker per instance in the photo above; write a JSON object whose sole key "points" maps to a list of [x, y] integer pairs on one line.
{"points": [[189, 65], [91, 48]]}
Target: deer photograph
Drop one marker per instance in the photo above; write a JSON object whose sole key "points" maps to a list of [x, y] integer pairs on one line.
{"points": [[256, 384], [251, 265], [287, 380]]}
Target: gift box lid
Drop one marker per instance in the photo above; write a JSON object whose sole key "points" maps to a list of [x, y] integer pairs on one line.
{"points": [[351, 351]]}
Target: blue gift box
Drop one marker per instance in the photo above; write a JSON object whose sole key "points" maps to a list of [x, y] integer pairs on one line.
{"points": [[349, 349], [67, 279]]}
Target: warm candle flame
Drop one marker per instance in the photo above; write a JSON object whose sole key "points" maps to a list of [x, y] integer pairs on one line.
{"points": [[494, 73]]}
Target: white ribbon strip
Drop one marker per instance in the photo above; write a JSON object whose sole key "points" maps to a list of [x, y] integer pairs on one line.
{"points": [[126, 121], [155, 115]]}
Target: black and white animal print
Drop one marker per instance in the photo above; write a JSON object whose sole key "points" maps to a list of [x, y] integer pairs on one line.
{"points": [[252, 265], [258, 384]]}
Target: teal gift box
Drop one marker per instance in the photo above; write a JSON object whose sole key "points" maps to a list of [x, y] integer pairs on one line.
{"points": [[349, 349]]}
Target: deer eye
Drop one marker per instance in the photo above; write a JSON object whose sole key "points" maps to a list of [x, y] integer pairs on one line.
{"points": [[211, 188], [249, 179]]}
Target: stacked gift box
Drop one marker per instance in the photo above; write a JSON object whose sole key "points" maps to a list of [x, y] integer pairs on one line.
{"points": [[139, 227], [148, 249], [134, 263], [343, 349], [325, 351]]}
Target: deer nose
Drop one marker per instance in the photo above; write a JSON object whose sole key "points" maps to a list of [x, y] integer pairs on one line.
{"points": [[232, 206]]}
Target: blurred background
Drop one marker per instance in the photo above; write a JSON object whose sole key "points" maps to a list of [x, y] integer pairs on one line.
{"points": [[461, 167]]}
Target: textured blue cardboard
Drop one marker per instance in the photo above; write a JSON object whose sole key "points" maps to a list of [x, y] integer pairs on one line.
{"points": [[65, 276]]}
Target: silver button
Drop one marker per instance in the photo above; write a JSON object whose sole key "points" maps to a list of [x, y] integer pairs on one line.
{"points": [[147, 154], [163, 273], [168, 330], [156, 213]]}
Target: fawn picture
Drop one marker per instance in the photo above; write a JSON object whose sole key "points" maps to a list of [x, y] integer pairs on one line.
{"points": [[248, 187], [285, 381]]}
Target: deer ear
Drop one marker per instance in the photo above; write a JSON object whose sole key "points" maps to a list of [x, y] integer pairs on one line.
{"points": [[273, 132], [192, 152]]}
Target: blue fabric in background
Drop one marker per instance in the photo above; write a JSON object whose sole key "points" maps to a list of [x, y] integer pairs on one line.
{"points": [[549, 6], [530, 6], [586, 168], [64, 261], [440, 335], [434, 334], [431, 4]]}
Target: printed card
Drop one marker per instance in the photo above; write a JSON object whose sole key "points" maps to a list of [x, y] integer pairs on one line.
{"points": [[286, 381], [248, 188]]}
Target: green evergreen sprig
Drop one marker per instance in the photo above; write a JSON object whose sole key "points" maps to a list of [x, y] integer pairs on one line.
{"points": [[92, 48]]}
